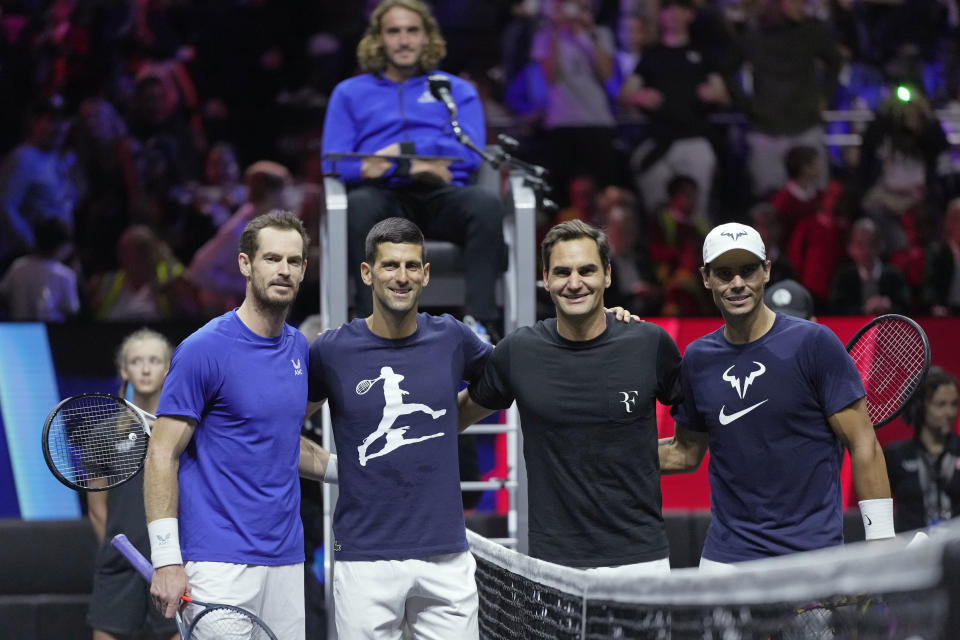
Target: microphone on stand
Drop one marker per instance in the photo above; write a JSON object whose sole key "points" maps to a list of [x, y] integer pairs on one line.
{"points": [[439, 85]]}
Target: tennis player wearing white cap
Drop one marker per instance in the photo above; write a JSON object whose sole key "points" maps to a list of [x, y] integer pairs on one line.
{"points": [[773, 397]]}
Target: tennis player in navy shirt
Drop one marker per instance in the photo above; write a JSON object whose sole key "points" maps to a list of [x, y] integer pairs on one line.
{"points": [[775, 399], [402, 559]]}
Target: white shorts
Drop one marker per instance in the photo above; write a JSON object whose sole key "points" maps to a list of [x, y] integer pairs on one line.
{"points": [[712, 566], [652, 568], [428, 598], [274, 594]]}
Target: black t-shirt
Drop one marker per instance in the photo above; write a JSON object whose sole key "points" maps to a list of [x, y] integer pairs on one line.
{"points": [[588, 414], [676, 72]]}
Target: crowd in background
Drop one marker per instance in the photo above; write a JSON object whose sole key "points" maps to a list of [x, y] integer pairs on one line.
{"points": [[139, 136]]}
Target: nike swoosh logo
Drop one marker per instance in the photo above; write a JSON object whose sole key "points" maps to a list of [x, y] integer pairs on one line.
{"points": [[727, 419], [869, 521]]}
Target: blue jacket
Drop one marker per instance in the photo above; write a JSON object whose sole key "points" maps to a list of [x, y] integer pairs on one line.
{"points": [[369, 112]]}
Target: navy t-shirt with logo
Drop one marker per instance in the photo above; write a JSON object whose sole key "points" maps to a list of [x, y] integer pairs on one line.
{"points": [[393, 404], [774, 459]]}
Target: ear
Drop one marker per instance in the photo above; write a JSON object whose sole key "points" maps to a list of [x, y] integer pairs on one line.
{"points": [[766, 271], [426, 274], [366, 273], [608, 277], [703, 274], [243, 260]]}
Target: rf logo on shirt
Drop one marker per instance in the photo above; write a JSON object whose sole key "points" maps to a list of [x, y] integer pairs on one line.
{"points": [[741, 388], [629, 400]]}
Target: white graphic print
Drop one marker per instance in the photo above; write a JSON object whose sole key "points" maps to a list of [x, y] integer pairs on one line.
{"points": [[741, 390], [393, 408], [735, 381], [297, 371], [629, 400]]}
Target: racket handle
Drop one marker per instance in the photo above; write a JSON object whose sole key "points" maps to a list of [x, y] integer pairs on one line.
{"points": [[130, 552]]}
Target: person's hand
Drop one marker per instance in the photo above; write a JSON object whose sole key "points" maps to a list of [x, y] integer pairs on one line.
{"points": [[431, 171], [713, 91], [169, 583], [373, 168], [647, 98], [623, 315]]}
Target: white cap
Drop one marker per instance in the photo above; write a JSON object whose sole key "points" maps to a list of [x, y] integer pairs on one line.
{"points": [[730, 236]]}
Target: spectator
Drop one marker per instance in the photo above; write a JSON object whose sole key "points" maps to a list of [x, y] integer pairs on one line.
{"points": [[390, 110], [675, 238], [941, 281], [766, 221], [898, 166], [923, 470], [36, 182], [148, 286], [38, 286], [631, 284], [801, 196], [676, 85], [795, 63], [576, 56], [213, 270], [866, 284], [816, 247]]}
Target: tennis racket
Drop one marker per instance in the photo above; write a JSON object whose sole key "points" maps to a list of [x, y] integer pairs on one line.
{"points": [[214, 621], [892, 354], [364, 385], [95, 441]]}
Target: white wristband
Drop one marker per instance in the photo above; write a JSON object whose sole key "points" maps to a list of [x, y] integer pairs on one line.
{"points": [[877, 517], [164, 542], [330, 474]]}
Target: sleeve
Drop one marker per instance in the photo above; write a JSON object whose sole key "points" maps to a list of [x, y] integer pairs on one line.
{"points": [[492, 390], [668, 370], [340, 135], [190, 383], [316, 377], [685, 413], [837, 383], [17, 230]]}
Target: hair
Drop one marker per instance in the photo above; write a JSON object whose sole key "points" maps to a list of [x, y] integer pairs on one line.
{"points": [[798, 158], [574, 230], [276, 219], [680, 181], [396, 231], [937, 377], [370, 54], [140, 334]]}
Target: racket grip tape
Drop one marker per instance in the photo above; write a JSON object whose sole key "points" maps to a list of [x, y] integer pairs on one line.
{"points": [[137, 559]]}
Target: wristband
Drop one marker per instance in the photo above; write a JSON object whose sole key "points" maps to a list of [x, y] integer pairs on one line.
{"points": [[877, 517], [330, 473], [164, 542]]}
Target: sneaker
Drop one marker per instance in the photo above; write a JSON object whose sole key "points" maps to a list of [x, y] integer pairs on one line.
{"points": [[477, 327]]}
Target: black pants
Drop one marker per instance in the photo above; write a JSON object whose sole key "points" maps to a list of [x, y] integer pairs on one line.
{"points": [[470, 217]]}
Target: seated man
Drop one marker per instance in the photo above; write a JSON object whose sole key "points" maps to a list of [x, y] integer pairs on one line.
{"points": [[390, 110]]}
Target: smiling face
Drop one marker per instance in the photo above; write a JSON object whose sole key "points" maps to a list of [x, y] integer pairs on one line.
{"points": [[397, 276], [276, 271], [736, 279], [403, 38], [576, 279]]}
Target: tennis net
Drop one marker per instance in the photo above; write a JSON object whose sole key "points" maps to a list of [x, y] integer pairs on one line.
{"points": [[865, 590]]}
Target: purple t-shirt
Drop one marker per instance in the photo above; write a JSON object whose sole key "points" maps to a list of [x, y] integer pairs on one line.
{"points": [[239, 484], [774, 459], [393, 404]]}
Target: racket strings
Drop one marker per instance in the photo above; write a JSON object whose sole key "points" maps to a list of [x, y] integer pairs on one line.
{"points": [[96, 440], [228, 623], [890, 358]]}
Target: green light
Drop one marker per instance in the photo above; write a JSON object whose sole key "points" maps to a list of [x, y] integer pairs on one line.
{"points": [[903, 93]]}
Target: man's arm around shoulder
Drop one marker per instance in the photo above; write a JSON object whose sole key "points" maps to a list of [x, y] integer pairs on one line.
{"points": [[683, 452]]}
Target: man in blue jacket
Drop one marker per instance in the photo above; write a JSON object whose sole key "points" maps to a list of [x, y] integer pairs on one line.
{"points": [[390, 110]]}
